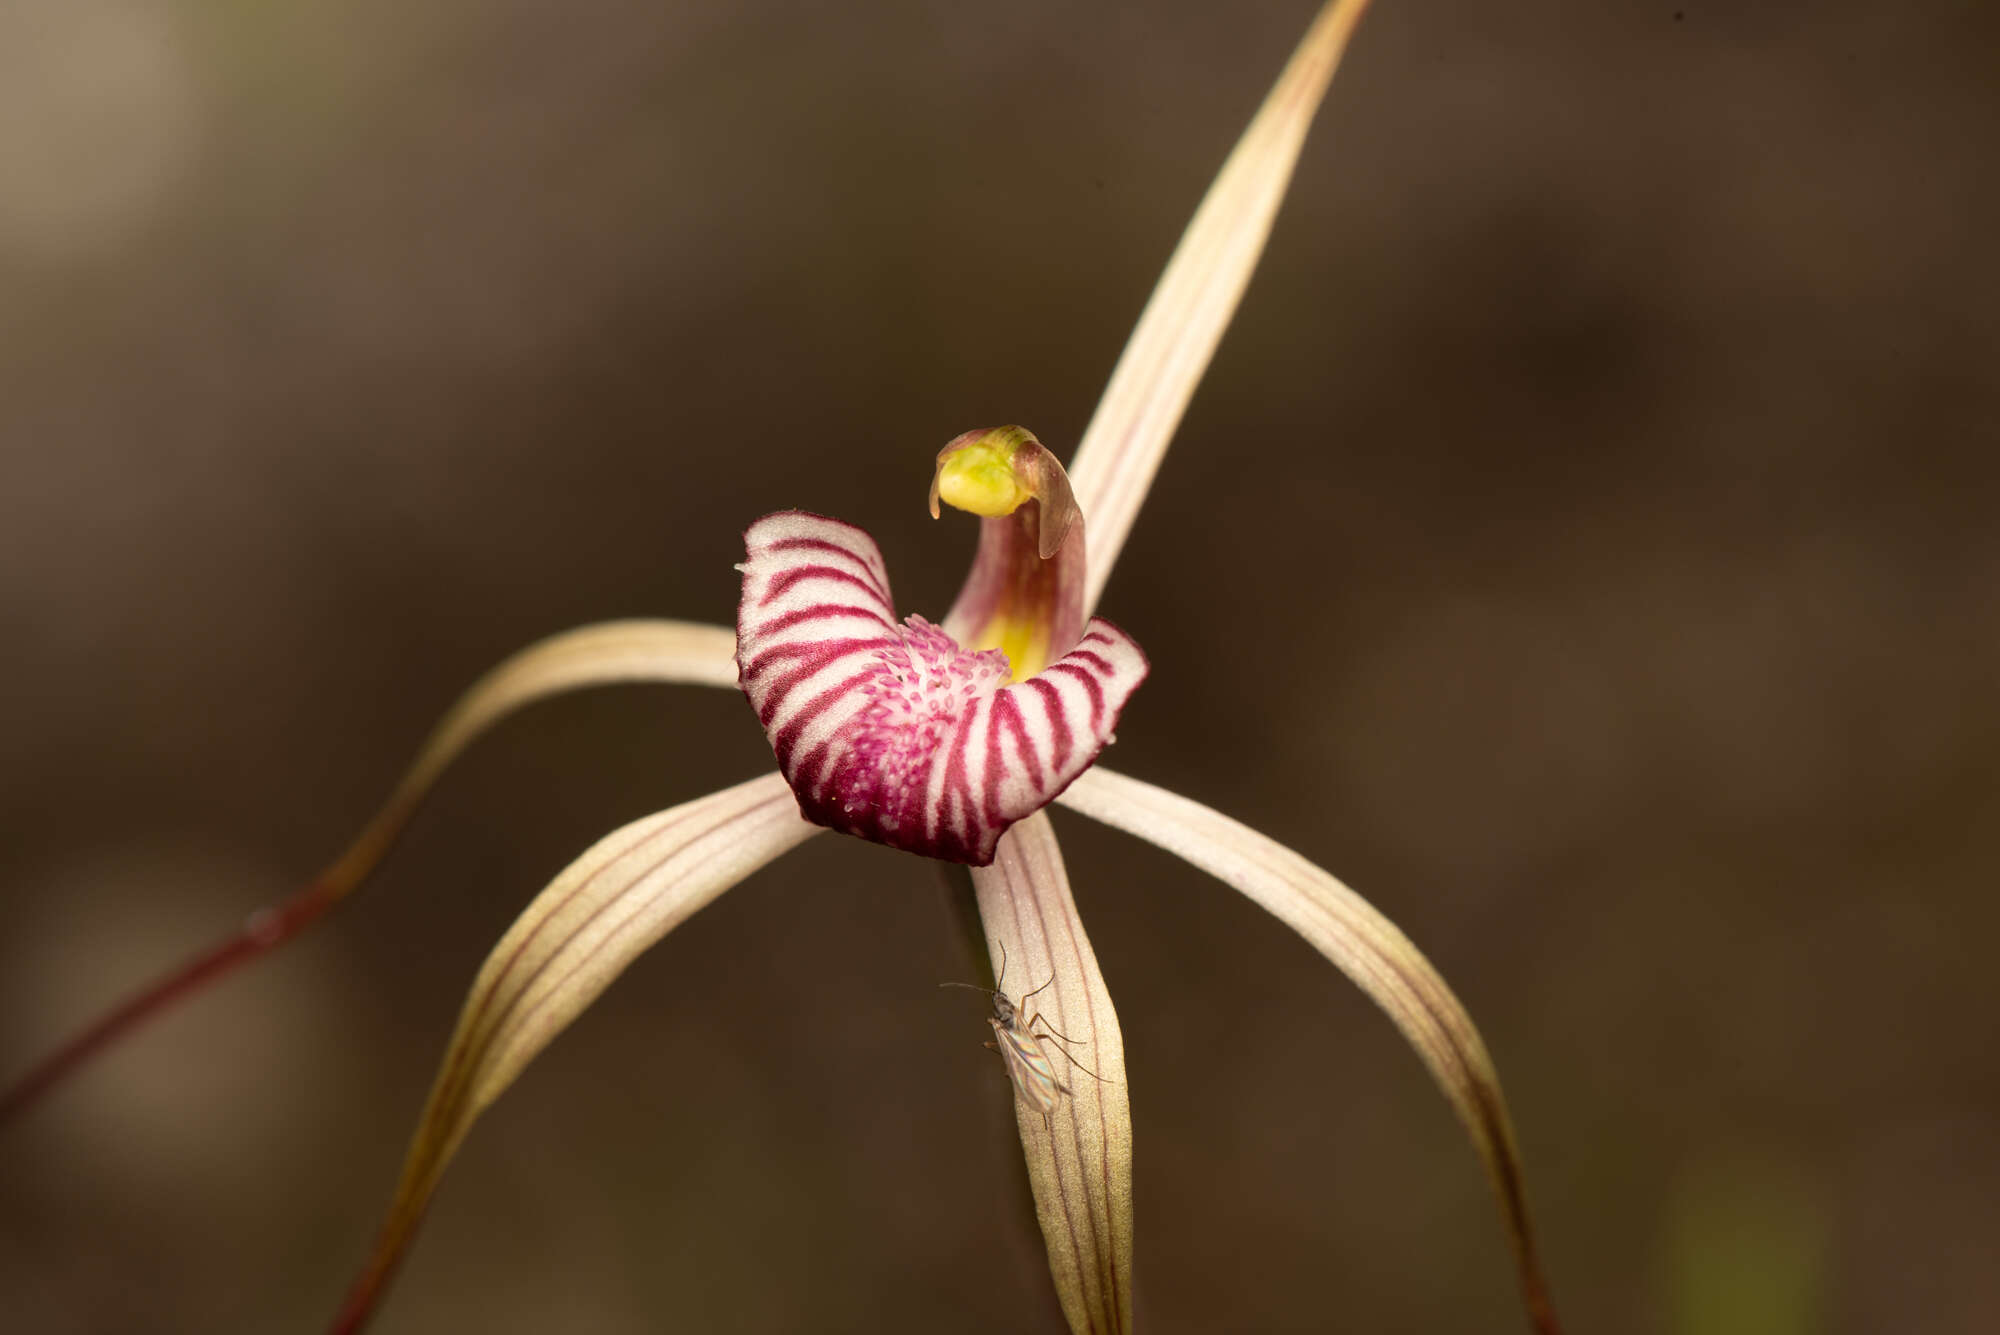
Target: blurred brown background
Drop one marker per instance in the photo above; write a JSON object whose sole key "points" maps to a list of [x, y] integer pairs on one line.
{"points": [[1582, 545]]}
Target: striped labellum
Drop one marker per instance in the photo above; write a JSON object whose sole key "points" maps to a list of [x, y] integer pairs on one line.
{"points": [[894, 731], [1019, 1042]]}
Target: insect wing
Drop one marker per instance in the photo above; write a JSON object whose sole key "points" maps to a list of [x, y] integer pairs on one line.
{"points": [[1033, 1074]]}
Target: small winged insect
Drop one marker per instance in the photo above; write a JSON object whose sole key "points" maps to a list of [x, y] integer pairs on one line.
{"points": [[1018, 1040]]}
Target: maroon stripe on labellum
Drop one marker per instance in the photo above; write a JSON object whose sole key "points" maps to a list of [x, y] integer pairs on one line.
{"points": [[1090, 687], [799, 574], [1058, 716], [787, 737], [1017, 723], [1006, 715], [818, 611], [856, 550], [817, 653], [916, 741], [807, 770], [994, 773], [859, 556], [773, 704], [1094, 659], [774, 695], [957, 780]]}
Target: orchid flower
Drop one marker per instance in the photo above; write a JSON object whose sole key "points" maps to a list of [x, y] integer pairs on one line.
{"points": [[944, 740]]}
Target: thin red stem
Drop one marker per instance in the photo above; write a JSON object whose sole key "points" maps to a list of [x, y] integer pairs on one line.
{"points": [[358, 1308], [263, 931]]}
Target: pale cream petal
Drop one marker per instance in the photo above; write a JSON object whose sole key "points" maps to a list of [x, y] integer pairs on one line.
{"points": [[1080, 1156], [606, 908], [1365, 946], [1194, 300]]}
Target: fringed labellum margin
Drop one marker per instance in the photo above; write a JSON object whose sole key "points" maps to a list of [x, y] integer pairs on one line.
{"points": [[898, 733]]}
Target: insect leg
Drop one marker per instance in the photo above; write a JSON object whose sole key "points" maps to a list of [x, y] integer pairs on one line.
{"points": [[1074, 1062], [1042, 1019]]}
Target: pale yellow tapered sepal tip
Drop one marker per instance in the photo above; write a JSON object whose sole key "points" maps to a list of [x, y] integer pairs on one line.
{"points": [[1196, 298]]}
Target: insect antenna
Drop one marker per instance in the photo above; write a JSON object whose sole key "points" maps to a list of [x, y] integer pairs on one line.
{"points": [[1043, 988], [998, 983]]}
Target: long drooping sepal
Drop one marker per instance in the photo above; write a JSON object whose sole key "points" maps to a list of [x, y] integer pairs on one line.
{"points": [[630, 889], [1365, 946], [1079, 1155], [614, 651], [893, 732], [1195, 298]]}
